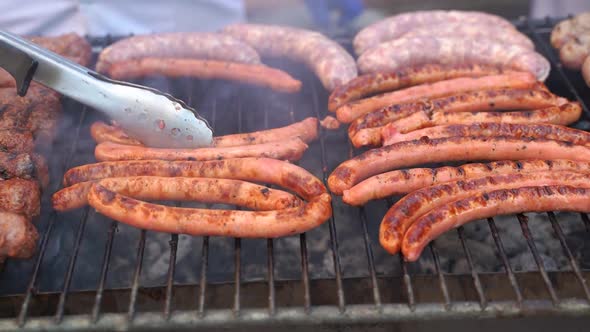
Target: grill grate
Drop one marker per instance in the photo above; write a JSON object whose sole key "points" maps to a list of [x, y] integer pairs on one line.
{"points": [[335, 296]]}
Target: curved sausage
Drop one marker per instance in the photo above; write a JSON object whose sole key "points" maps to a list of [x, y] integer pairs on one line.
{"points": [[18, 237], [262, 170], [102, 132], [407, 180], [204, 190], [183, 45], [348, 112], [489, 204], [403, 52], [411, 153], [329, 61], [243, 224], [395, 26], [255, 74], [290, 149], [402, 215], [369, 84]]}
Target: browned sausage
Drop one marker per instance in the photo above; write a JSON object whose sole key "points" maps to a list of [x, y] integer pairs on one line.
{"points": [[290, 149], [489, 204], [348, 112], [261, 170], [403, 52], [205, 69], [243, 224], [405, 181], [328, 60], [178, 45], [395, 26], [369, 84], [18, 237], [410, 208], [567, 30], [204, 190], [411, 153], [330, 123], [575, 51], [102, 132]]}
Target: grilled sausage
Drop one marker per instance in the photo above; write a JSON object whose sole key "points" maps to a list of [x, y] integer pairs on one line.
{"points": [[347, 113], [178, 45], [410, 208], [566, 30], [204, 190], [329, 61], [395, 26], [18, 237], [574, 52], [102, 132], [254, 74], [586, 70], [243, 224], [486, 129], [403, 52], [291, 149], [411, 153], [369, 84], [70, 45], [330, 123], [405, 181], [20, 196], [261, 170], [489, 204]]}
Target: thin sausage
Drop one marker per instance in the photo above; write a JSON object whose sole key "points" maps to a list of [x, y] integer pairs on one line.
{"points": [[196, 222], [402, 52], [411, 153], [347, 113], [290, 149], [489, 204], [410, 208], [183, 45], [329, 61], [369, 84], [395, 26], [254, 74], [204, 190], [407, 180], [102, 132], [262, 170]]}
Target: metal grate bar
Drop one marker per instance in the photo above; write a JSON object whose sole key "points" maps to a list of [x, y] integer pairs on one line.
{"points": [[271, 277], [103, 271], [135, 285], [70, 271], [22, 315], [441, 277], [505, 262], [586, 221], [170, 282], [331, 222], [476, 282], [203, 275], [523, 220], [237, 275], [305, 273], [408, 283], [370, 260], [568, 254]]}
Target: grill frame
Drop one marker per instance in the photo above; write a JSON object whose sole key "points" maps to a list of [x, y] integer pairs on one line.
{"points": [[339, 313]]}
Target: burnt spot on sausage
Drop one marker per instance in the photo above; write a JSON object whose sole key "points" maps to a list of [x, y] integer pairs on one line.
{"points": [[519, 165], [405, 173], [265, 192], [105, 195]]}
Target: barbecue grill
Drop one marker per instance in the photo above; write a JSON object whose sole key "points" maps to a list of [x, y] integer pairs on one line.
{"points": [[94, 273]]}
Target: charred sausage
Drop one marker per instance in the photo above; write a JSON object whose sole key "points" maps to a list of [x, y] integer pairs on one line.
{"points": [[102, 132]]}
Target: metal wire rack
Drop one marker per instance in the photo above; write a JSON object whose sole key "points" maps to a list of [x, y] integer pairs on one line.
{"points": [[373, 292]]}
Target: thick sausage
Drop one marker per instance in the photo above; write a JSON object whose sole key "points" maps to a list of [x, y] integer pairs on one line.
{"points": [[532, 130], [395, 26], [261, 170], [404, 52], [291, 149], [489, 204], [178, 45], [18, 237], [566, 30], [20, 196], [410, 208], [405, 181], [348, 112], [204, 190], [328, 60], [369, 84], [330, 123], [586, 70], [243, 224], [574, 52], [411, 153], [562, 115], [254, 74], [102, 132]]}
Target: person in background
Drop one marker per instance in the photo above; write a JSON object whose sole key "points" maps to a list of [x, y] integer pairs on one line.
{"points": [[117, 17]]}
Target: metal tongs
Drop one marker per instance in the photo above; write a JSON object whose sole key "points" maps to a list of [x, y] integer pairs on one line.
{"points": [[155, 118]]}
